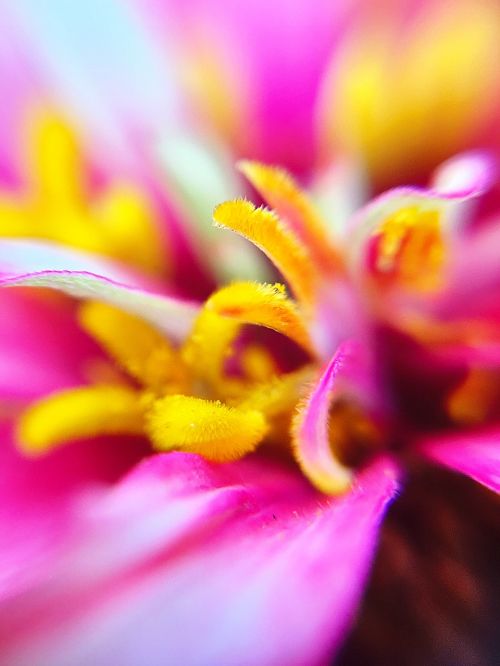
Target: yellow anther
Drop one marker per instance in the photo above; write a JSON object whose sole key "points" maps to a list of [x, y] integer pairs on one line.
{"points": [[137, 347], [267, 232], [217, 432], [79, 413], [293, 206]]}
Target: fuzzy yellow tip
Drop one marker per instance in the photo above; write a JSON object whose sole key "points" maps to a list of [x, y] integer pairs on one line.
{"points": [[264, 228], [279, 189], [217, 432], [261, 304]]}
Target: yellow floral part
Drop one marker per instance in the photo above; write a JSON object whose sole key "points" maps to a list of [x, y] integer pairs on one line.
{"points": [[54, 165], [262, 304], [277, 399], [293, 206], [80, 413], [118, 222], [206, 351], [267, 232], [410, 248], [212, 429], [258, 363], [386, 98], [142, 351]]}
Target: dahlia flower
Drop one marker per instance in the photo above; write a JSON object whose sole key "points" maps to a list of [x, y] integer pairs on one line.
{"points": [[199, 474]]}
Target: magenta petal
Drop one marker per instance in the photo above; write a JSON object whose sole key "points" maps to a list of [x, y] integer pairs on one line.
{"points": [[36, 499], [41, 347], [192, 563], [346, 376], [80, 274], [475, 454], [312, 446]]}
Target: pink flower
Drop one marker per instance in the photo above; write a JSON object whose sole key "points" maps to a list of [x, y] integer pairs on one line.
{"points": [[202, 562], [203, 481], [396, 86]]}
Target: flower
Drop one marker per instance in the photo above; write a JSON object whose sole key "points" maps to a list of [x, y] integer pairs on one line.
{"points": [[395, 276], [153, 510], [397, 87]]}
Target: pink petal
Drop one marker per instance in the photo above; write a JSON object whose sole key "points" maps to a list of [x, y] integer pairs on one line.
{"points": [[475, 454], [475, 275], [280, 83], [36, 496], [345, 375], [41, 347], [467, 174], [192, 563], [80, 274]]}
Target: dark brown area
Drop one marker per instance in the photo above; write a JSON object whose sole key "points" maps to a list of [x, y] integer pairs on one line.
{"points": [[434, 595]]}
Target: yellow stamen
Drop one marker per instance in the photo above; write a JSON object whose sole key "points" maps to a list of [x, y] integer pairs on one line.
{"points": [[118, 223], [137, 347], [217, 432], [257, 363], [79, 413], [216, 86], [410, 248], [266, 231], [278, 395], [293, 206], [208, 347], [277, 399], [55, 164], [264, 305], [127, 221]]}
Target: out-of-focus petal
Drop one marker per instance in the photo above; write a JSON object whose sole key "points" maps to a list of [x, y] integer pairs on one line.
{"points": [[247, 78], [38, 264], [193, 563], [111, 77], [469, 174], [36, 497], [475, 454]]}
